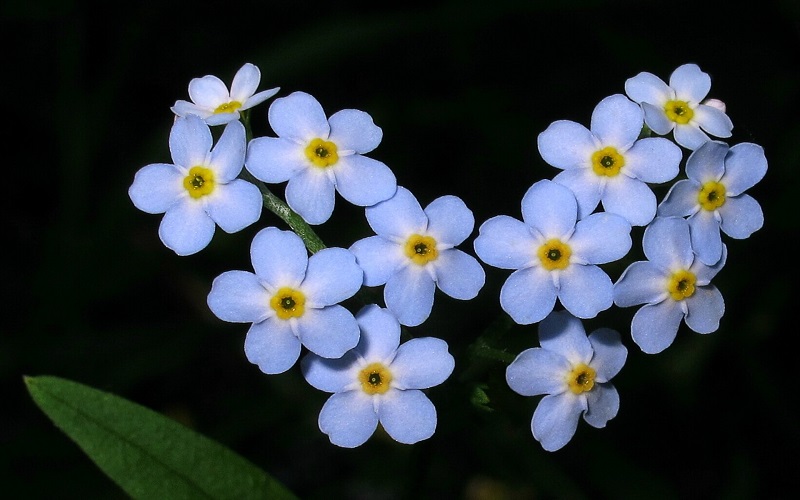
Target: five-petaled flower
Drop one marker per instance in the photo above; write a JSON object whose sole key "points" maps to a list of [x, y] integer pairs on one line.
{"points": [[212, 101], [574, 372], [713, 197], [554, 254], [413, 253], [380, 381], [607, 163], [673, 284], [200, 189], [319, 156], [678, 107], [291, 299]]}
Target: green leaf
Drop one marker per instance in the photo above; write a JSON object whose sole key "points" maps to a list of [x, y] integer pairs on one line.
{"points": [[147, 454]]}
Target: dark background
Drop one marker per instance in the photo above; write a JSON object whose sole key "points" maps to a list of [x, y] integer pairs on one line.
{"points": [[461, 91]]}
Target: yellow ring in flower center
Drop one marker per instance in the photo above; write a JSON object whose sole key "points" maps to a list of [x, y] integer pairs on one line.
{"points": [[288, 303], [681, 285], [712, 195], [421, 249], [581, 378], [554, 254], [322, 153], [375, 378], [607, 161], [679, 111], [228, 107], [199, 182]]}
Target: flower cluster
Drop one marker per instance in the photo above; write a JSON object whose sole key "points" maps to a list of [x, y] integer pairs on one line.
{"points": [[298, 298]]}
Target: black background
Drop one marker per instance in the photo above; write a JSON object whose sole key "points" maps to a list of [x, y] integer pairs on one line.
{"points": [[461, 91]]}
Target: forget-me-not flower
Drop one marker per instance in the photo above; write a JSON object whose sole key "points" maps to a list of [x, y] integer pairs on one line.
{"points": [[673, 284], [713, 197], [554, 254], [291, 300], [319, 156], [574, 372], [678, 107], [607, 163], [200, 189], [380, 381], [212, 101], [413, 252]]}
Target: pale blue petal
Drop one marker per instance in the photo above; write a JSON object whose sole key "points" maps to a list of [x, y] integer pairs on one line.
{"points": [[690, 83], [689, 135], [601, 238], [537, 371], [409, 295], [235, 206], [667, 244], [647, 87], [185, 108], [655, 326], [332, 276], [221, 118], [398, 217], [348, 419], [745, 166], [156, 187], [354, 130], [585, 185], [274, 160], [407, 416], [741, 216], [328, 332], [312, 195], [186, 228], [706, 308], [641, 282], [421, 363], [208, 91], [551, 208], [704, 272], [458, 274], [449, 220], [653, 160], [380, 334], [681, 200], [363, 181], [707, 163], [603, 403], [528, 295], [566, 144], [299, 117], [272, 346], [563, 333], [238, 297], [258, 98], [713, 121], [190, 141], [245, 82], [330, 375], [656, 119], [227, 157], [556, 419], [379, 258], [706, 238], [279, 257], [630, 198], [585, 290], [506, 243], [617, 121], [609, 354]]}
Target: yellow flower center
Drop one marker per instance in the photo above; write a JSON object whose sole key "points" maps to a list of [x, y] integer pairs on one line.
{"points": [[228, 107], [679, 111], [322, 153], [288, 303], [199, 182], [711, 195], [375, 378], [581, 378], [421, 249], [681, 285], [554, 254], [607, 161]]}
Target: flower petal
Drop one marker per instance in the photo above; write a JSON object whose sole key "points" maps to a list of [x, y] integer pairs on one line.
{"points": [[528, 295], [408, 416], [227, 157], [681, 200], [312, 195], [328, 332], [741, 216], [641, 283], [556, 419], [537, 371], [689, 135], [647, 87], [655, 326], [236, 205], [332, 276], [298, 117], [272, 346], [550, 208], [238, 297], [600, 238], [348, 419], [421, 363], [208, 91], [409, 295], [354, 130], [379, 258], [398, 217], [706, 308], [458, 274], [563, 333], [653, 160], [667, 244], [156, 187], [189, 141], [713, 121], [330, 375], [706, 237], [585, 185], [690, 83], [609, 354], [707, 163], [745, 166], [449, 220], [273, 160], [186, 227], [617, 121], [279, 257], [506, 243], [566, 144], [630, 198], [363, 181], [245, 82], [603, 405], [585, 290], [380, 334]]}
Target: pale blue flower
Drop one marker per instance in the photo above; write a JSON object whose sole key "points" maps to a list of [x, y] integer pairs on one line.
{"points": [[574, 371], [319, 156], [554, 254], [607, 163], [212, 101], [380, 381], [200, 189], [678, 107], [673, 284], [291, 300], [413, 253], [713, 197]]}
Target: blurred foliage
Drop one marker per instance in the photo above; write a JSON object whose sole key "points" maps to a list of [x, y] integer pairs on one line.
{"points": [[461, 91]]}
